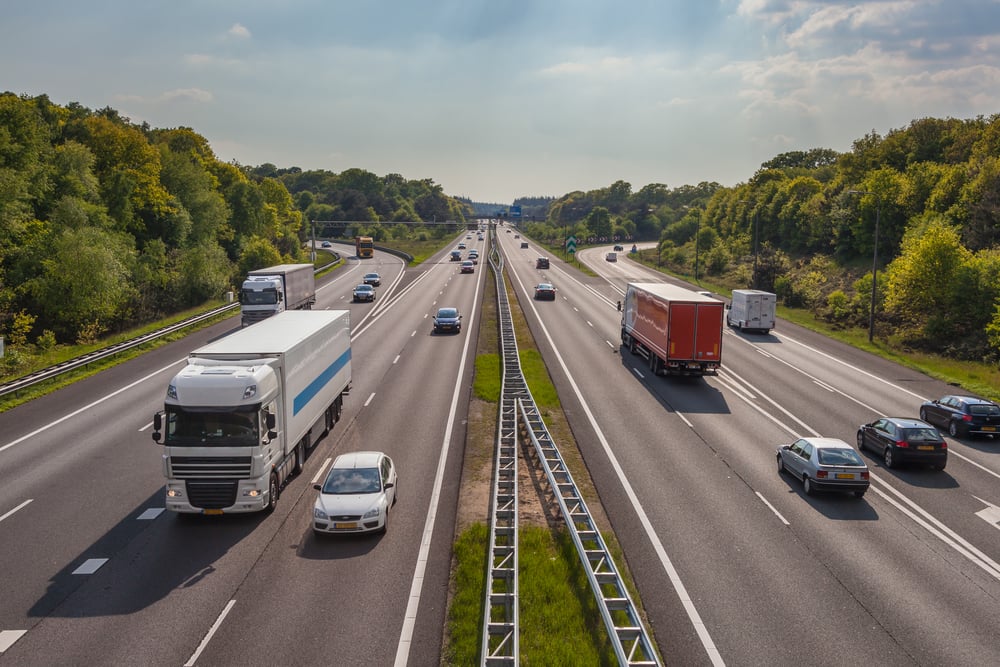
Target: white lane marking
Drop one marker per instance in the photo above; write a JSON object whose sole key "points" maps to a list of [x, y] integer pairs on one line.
{"points": [[590, 324], [611, 345], [370, 399], [952, 452], [211, 632], [150, 514], [638, 373], [8, 637], [759, 351], [989, 514], [413, 601], [685, 420], [21, 506], [145, 427], [413, 334], [692, 613], [823, 385], [396, 360], [736, 387], [772, 508], [90, 405], [90, 566], [321, 471]]}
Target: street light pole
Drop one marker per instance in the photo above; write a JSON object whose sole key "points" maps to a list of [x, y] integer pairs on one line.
{"points": [[756, 244], [871, 310]]}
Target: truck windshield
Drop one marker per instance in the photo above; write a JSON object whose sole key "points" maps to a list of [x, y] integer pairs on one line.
{"points": [[214, 429], [259, 298]]}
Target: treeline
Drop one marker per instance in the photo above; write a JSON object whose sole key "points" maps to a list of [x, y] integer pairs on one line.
{"points": [[105, 223], [807, 221]]}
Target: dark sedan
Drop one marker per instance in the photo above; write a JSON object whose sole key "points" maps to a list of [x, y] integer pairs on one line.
{"points": [[898, 440], [545, 291], [447, 319], [963, 415], [364, 293]]}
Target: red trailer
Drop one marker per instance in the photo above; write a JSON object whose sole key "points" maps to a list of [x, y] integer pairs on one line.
{"points": [[677, 330]]}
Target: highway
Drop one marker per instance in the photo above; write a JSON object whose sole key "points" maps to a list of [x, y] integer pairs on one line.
{"points": [[734, 564]]}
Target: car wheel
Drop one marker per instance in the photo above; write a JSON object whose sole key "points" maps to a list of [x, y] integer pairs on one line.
{"points": [[953, 429], [272, 494], [859, 494], [385, 524], [939, 466], [861, 442], [807, 485], [781, 465], [889, 456]]}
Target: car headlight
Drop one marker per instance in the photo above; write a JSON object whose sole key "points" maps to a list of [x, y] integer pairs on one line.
{"points": [[372, 513], [319, 514]]}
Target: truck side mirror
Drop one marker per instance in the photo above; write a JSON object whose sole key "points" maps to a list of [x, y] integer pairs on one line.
{"points": [[270, 421], [157, 425]]}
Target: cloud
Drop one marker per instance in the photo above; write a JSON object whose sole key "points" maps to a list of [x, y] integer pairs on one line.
{"points": [[239, 31], [182, 94]]}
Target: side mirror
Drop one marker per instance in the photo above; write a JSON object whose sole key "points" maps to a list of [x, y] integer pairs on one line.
{"points": [[389, 485], [318, 487], [157, 425], [271, 421]]}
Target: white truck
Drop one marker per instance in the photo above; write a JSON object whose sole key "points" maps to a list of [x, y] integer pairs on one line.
{"points": [[751, 309], [269, 291], [239, 418]]}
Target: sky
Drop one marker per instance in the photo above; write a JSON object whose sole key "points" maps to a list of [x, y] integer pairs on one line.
{"points": [[499, 99]]}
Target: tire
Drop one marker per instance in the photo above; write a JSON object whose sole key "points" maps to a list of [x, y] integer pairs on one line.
{"points": [[807, 486], [953, 429], [781, 465], [272, 494], [888, 455], [300, 457], [385, 524], [861, 442], [338, 410], [940, 466], [859, 494]]}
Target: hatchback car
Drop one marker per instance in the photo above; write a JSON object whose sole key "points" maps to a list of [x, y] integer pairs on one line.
{"points": [[545, 291], [824, 464], [898, 439], [963, 415], [542, 263], [372, 279], [356, 495], [461, 246], [326, 244], [447, 319], [364, 293], [468, 266]]}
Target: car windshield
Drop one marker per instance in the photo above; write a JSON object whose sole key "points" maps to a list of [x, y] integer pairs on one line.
{"points": [[363, 288], [921, 435], [370, 275], [353, 480], [447, 313], [544, 286], [984, 410], [839, 457]]}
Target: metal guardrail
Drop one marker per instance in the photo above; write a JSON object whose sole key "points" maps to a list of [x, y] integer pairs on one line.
{"points": [[105, 352], [500, 637]]}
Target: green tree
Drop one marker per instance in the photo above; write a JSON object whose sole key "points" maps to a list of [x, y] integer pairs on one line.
{"points": [[599, 222]]}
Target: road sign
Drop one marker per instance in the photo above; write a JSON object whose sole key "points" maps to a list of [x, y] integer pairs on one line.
{"points": [[571, 245], [515, 211]]}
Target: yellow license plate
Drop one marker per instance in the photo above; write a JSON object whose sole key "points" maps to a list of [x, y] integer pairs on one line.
{"points": [[925, 447], [345, 526], [213, 512], [845, 475], [989, 428]]}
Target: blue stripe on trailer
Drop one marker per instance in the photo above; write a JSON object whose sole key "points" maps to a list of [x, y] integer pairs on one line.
{"points": [[323, 379]]}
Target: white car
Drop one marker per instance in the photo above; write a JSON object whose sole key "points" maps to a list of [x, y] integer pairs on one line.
{"points": [[356, 495]]}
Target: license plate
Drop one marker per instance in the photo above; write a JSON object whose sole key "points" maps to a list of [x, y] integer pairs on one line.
{"points": [[845, 475], [213, 512], [989, 428], [346, 526], [926, 447]]}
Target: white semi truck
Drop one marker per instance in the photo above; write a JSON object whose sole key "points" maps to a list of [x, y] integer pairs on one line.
{"points": [[269, 291], [239, 418], [751, 310]]}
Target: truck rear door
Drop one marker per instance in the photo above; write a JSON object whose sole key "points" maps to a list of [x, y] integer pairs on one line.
{"points": [[708, 332], [681, 336]]}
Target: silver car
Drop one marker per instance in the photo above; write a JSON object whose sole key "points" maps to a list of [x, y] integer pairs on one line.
{"points": [[824, 464]]}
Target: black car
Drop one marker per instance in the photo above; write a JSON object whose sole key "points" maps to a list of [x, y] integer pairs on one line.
{"points": [[447, 319], [899, 440], [364, 293], [963, 415], [545, 291], [373, 279], [542, 263]]}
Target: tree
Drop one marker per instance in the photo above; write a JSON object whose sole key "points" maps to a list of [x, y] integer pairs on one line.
{"points": [[599, 222]]}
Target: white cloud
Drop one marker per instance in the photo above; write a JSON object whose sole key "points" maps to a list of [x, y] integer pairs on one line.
{"points": [[239, 31]]}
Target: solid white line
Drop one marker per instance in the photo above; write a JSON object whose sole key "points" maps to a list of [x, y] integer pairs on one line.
{"points": [[638, 373], [150, 514], [145, 427], [772, 508], [8, 637], [208, 637], [90, 566], [322, 468], [824, 386], [413, 601], [90, 405], [21, 506], [610, 344], [396, 360], [370, 398], [952, 452], [685, 420]]}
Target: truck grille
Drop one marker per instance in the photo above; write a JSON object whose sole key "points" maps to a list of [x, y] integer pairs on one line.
{"points": [[210, 467], [211, 495]]}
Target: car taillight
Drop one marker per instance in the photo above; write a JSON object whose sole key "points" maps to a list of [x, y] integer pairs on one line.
{"points": [[902, 443], [864, 474], [967, 418], [821, 473], [944, 444]]}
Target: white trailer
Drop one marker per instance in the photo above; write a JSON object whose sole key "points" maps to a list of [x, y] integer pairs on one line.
{"points": [[269, 291], [751, 309], [239, 418]]}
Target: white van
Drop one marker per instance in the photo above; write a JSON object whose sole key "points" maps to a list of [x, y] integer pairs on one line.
{"points": [[751, 309], [611, 257]]}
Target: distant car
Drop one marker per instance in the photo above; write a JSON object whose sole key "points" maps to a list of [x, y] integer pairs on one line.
{"points": [[480, 237], [545, 291], [542, 263], [468, 266], [508, 231], [447, 319], [524, 244], [899, 439], [456, 256], [326, 244], [618, 248], [474, 256], [461, 246], [356, 495], [963, 415], [611, 257], [373, 279], [468, 236], [364, 293], [824, 464], [517, 236]]}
